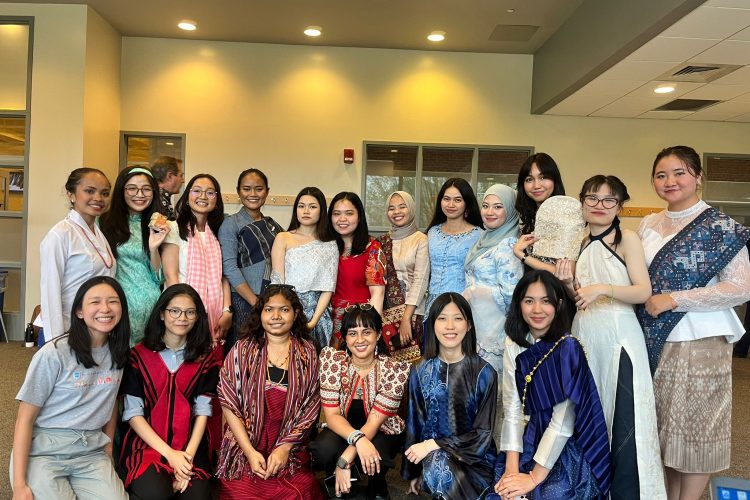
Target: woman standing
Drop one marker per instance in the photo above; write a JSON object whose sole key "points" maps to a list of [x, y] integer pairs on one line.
{"points": [[360, 391], [307, 259], [452, 396], [407, 268], [75, 249], [689, 322], [455, 227], [610, 277], [538, 180], [246, 239], [360, 276], [135, 242], [270, 397]]}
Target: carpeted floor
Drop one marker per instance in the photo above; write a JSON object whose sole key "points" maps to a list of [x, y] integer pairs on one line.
{"points": [[14, 358]]}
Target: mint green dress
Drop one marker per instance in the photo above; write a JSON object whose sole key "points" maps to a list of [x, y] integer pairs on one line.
{"points": [[141, 284]]}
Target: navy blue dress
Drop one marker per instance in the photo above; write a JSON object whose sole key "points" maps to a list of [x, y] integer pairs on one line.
{"points": [[582, 471], [454, 404]]}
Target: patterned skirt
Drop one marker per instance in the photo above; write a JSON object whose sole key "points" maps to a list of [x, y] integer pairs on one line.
{"points": [[693, 388]]}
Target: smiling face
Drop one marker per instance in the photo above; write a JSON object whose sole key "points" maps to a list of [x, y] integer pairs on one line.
{"points": [[451, 327], [344, 218], [253, 192], [202, 196], [599, 214], [91, 196], [277, 316], [101, 309], [398, 211], [537, 186], [308, 210], [361, 341], [184, 308], [452, 204], [537, 309], [675, 183], [493, 212], [138, 193]]}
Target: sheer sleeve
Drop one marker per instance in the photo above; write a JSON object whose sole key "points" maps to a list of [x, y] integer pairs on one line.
{"points": [[511, 438], [418, 287], [509, 271], [732, 289]]}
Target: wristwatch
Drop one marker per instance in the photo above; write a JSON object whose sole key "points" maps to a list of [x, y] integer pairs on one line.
{"points": [[342, 463], [229, 309]]}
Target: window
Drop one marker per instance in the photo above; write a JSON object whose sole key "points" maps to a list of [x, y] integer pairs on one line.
{"points": [[140, 149], [422, 169]]}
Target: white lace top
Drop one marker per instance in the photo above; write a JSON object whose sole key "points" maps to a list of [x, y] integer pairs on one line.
{"points": [[709, 309]]}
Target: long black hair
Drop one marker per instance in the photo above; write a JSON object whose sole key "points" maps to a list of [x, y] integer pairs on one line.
{"points": [[516, 327], [253, 329], [186, 221], [366, 318], [471, 213], [79, 338], [686, 155], [525, 205], [114, 222], [322, 228], [198, 338], [469, 343], [616, 187], [361, 232]]}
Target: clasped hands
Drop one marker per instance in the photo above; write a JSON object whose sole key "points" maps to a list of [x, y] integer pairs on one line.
{"points": [[265, 468], [181, 463]]}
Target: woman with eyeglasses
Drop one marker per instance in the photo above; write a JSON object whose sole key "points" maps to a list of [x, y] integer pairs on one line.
{"points": [[168, 386], [361, 272], [306, 258], [610, 277], [135, 240], [246, 239], [360, 390], [270, 398]]}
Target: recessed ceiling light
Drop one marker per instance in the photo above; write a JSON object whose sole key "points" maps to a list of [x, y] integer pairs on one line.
{"points": [[510, 11], [187, 25], [313, 31], [436, 36], [169, 143], [394, 150], [664, 89]]}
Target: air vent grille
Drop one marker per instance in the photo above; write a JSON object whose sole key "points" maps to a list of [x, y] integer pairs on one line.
{"points": [[686, 105], [689, 70], [699, 73]]}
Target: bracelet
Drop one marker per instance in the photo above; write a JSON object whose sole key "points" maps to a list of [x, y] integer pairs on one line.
{"points": [[523, 260], [611, 293], [355, 434], [533, 480], [357, 438]]}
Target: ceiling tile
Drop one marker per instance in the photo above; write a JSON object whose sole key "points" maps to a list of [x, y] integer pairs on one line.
{"points": [[742, 35], [665, 115], [742, 98], [580, 105], [628, 107], [636, 70], [721, 111], [710, 22], [718, 92], [611, 87], [735, 4], [674, 49], [726, 52], [742, 118], [680, 88]]}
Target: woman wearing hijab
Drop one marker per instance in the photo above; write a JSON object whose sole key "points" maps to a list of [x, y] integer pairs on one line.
{"points": [[492, 272], [407, 273]]}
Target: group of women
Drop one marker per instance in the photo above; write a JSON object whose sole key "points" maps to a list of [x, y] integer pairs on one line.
{"points": [[497, 372]]}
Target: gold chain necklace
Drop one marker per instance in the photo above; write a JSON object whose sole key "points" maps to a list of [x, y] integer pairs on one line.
{"points": [[270, 380]]}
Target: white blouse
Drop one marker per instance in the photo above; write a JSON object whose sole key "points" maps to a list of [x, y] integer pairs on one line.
{"points": [[70, 254]]}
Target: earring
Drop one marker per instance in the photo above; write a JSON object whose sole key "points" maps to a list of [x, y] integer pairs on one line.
{"points": [[376, 349]]}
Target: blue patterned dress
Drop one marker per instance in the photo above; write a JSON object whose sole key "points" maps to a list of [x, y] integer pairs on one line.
{"points": [[454, 404]]}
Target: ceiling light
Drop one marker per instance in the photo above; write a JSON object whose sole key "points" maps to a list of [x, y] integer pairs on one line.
{"points": [[169, 143], [436, 36], [394, 150], [664, 89], [510, 11], [187, 25], [313, 31]]}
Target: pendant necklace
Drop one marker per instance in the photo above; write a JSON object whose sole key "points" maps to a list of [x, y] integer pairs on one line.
{"points": [[111, 262]]}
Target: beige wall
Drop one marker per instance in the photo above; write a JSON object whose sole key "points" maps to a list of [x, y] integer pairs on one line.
{"points": [[290, 110], [101, 106]]}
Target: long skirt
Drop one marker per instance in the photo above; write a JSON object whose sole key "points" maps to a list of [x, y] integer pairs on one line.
{"points": [[693, 387]]}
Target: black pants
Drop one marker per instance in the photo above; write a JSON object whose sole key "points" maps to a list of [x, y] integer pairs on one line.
{"points": [[625, 482], [153, 485], [328, 447]]}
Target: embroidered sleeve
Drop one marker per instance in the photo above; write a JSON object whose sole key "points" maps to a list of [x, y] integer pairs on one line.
{"points": [[509, 271], [375, 271], [391, 387], [330, 377], [732, 289]]}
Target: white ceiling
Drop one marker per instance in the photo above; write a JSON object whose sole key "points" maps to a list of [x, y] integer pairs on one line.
{"points": [[718, 32]]}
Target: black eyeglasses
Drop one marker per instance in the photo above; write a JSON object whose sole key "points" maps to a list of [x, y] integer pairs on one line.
{"points": [[365, 306], [593, 201], [176, 312]]}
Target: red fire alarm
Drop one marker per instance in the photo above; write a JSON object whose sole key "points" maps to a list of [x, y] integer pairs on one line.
{"points": [[348, 156]]}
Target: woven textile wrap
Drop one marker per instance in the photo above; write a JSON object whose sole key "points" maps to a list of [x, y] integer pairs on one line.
{"points": [[559, 228]]}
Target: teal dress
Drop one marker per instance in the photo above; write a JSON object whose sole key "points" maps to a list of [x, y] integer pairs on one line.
{"points": [[141, 284]]}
